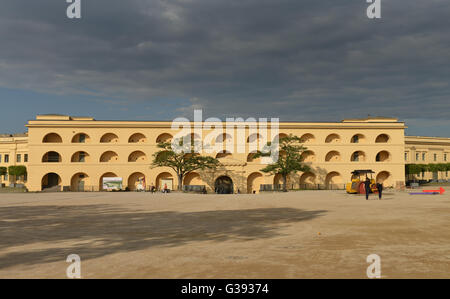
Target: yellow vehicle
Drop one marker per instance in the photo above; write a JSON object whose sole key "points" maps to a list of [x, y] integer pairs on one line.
{"points": [[357, 185]]}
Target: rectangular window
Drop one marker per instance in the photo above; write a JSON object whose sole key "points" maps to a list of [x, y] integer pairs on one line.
{"points": [[406, 156], [6, 158], [445, 157], [19, 158], [417, 156], [423, 156], [25, 158], [0, 158], [6, 177], [435, 157]]}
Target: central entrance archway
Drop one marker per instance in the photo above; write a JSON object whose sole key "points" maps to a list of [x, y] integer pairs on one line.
{"points": [[224, 185]]}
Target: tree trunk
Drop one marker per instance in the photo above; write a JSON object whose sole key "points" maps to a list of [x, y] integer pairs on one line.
{"points": [[180, 182], [284, 183]]}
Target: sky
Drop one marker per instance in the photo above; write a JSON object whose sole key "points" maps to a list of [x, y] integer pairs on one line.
{"points": [[298, 60]]}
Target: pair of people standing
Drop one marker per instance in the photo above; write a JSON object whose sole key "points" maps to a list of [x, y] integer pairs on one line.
{"points": [[367, 188]]}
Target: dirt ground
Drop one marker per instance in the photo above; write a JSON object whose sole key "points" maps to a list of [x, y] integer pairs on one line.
{"points": [[305, 234]]}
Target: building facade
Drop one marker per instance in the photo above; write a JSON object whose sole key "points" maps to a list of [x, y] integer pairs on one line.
{"points": [[428, 150], [76, 153], [13, 152]]}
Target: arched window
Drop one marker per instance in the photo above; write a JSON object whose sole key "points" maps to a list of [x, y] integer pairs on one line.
{"points": [[358, 138], [109, 138], [223, 154], [383, 156], [333, 156], [52, 157], [165, 137], [81, 138], [137, 138], [137, 156], [358, 156], [333, 138], [80, 157], [382, 138], [307, 138], [52, 138], [109, 157]]}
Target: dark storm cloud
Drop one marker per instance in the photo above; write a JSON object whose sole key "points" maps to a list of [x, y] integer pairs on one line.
{"points": [[297, 60]]}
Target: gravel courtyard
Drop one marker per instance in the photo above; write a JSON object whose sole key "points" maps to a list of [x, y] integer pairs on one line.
{"points": [[306, 234]]}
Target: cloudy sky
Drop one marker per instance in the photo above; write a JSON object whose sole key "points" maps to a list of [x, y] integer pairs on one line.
{"points": [[299, 60]]}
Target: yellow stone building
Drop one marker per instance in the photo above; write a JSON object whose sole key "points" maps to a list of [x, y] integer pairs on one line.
{"points": [[76, 153]]}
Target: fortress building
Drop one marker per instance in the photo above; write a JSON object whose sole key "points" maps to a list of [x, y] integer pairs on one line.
{"points": [[76, 153]]}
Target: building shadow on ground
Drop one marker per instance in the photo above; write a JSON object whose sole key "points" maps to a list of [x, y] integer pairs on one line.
{"points": [[97, 230]]}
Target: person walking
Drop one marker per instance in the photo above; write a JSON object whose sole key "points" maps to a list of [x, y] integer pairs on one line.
{"points": [[380, 190], [367, 187]]}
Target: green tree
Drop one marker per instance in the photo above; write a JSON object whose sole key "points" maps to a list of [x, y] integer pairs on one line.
{"points": [[289, 160], [17, 171], [3, 171], [183, 160]]}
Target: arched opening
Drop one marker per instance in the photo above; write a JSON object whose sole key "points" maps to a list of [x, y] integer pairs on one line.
{"points": [[195, 139], [165, 137], [382, 138], [308, 156], [280, 136], [110, 184], [80, 182], [278, 182], [384, 178], [358, 138], [358, 156], [307, 180], [52, 138], [109, 138], [333, 156], [193, 179], [254, 138], [223, 154], [333, 138], [137, 138], [251, 159], [136, 182], [81, 138], [109, 157], [307, 138], [254, 181], [224, 185], [51, 157], [137, 156], [383, 156], [333, 180], [80, 157], [164, 180], [223, 137], [51, 182]]}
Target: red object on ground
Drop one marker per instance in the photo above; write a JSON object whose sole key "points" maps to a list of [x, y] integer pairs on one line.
{"points": [[362, 188], [441, 191]]}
